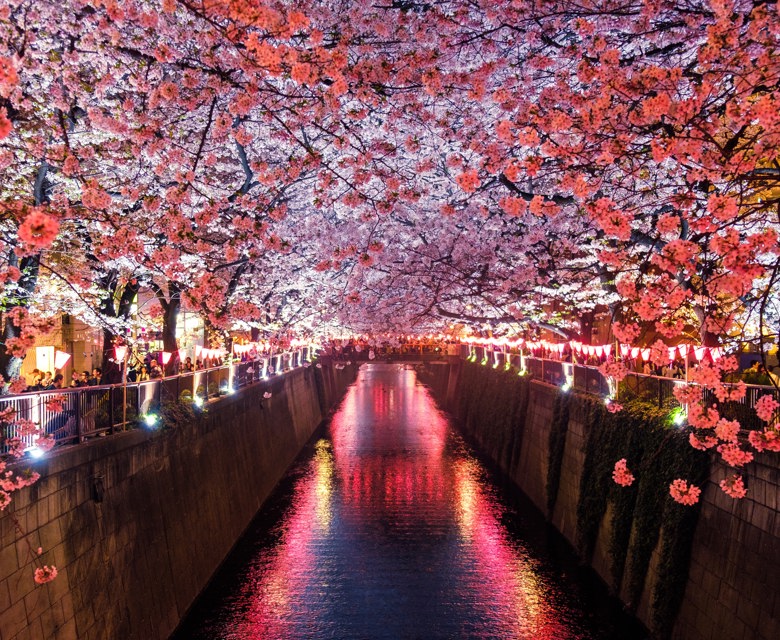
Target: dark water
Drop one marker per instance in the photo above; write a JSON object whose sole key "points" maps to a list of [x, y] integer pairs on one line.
{"points": [[388, 526]]}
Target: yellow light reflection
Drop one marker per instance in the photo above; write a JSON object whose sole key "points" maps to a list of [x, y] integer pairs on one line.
{"points": [[323, 483]]}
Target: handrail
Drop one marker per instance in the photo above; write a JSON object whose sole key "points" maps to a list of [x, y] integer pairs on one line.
{"points": [[589, 379], [84, 412]]}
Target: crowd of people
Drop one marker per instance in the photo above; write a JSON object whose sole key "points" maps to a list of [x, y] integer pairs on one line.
{"points": [[46, 381]]}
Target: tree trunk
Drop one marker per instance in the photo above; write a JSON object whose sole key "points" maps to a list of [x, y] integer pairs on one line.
{"points": [[29, 266], [586, 327], [170, 319]]}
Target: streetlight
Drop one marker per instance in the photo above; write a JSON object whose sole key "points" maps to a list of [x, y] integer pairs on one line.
{"points": [[120, 351]]}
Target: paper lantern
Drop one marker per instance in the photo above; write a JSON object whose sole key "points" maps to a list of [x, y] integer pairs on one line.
{"points": [[198, 351], [699, 352], [634, 352], [120, 351], [166, 357], [60, 359], [645, 354], [625, 349]]}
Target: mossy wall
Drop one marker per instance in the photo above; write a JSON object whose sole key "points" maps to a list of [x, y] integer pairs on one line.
{"points": [[694, 573], [138, 522]]}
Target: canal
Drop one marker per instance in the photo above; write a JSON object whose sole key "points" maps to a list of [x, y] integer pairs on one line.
{"points": [[389, 526]]}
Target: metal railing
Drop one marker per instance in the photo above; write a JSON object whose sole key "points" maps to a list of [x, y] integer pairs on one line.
{"points": [[84, 412], [589, 379]]}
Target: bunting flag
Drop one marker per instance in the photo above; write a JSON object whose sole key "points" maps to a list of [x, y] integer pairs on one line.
{"points": [[599, 351], [699, 352], [672, 352], [645, 354], [607, 349], [61, 359], [683, 349], [625, 350]]}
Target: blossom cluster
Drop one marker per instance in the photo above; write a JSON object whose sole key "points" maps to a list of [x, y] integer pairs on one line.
{"points": [[621, 475], [684, 493], [733, 486]]}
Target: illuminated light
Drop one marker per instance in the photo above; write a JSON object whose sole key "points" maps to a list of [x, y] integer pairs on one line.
{"points": [[151, 420], [678, 416], [35, 452], [120, 351], [166, 357], [197, 401], [566, 386], [522, 372]]}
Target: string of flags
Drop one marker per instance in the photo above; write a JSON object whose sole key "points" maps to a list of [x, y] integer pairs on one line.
{"points": [[625, 350]]}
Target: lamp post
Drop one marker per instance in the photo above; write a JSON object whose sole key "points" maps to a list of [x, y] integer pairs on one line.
{"points": [[120, 352]]}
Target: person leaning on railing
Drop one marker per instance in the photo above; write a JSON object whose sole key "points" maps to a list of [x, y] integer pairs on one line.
{"points": [[756, 373]]}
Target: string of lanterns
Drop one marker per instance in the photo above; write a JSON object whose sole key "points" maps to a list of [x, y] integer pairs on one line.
{"points": [[625, 350]]}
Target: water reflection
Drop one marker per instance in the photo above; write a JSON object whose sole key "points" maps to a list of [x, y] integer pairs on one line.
{"points": [[389, 529]]}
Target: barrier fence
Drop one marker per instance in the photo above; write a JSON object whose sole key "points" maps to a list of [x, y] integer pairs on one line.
{"points": [[589, 379], [84, 412]]}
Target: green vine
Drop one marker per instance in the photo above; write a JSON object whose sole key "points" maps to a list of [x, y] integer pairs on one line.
{"points": [[657, 453], [557, 444]]}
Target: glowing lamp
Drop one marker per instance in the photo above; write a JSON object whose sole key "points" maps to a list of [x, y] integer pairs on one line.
{"points": [[60, 359], [35, 452], [182, 354], [198, 350], [120, 351], [166, 357]]}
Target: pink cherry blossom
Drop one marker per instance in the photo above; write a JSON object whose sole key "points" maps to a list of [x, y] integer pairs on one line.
{"points": [[45, 574], [765, 407], [684, 493], [621, 475], [38, 230], [733, 486]]}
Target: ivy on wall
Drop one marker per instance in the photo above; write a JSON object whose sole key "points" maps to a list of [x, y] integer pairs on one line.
{"points": [[557, 444], [657, 453]]}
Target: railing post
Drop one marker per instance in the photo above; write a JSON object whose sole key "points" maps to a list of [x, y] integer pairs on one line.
{"points": [[79, 426]]}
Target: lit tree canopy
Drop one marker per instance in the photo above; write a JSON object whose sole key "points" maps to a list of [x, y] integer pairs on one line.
{"points": [[392, 165]]}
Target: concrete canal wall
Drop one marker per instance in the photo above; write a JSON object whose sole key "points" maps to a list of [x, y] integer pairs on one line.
{"points": [[138, 522], [688, 574]]}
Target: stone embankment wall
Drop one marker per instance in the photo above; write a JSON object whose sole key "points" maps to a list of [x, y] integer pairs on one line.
{"points": [[137, 523], [704, 573]]}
